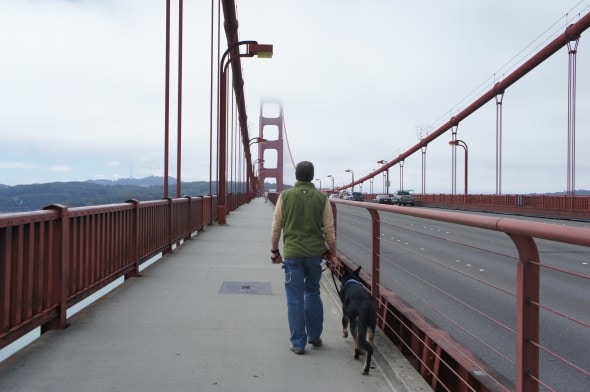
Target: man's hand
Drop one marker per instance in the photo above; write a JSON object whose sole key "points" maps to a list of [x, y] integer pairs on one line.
{"points": [[275, 257], [332, 263], [331, 260]]}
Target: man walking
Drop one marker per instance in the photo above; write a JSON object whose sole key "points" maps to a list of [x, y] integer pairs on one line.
{"points": [[304, 216]]}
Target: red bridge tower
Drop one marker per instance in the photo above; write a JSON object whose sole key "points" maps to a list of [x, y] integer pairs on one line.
{"points": [[271, 130]]}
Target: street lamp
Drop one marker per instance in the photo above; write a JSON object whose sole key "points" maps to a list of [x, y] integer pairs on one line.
{"points": [[252, 141], [384, 162], [401, 175], [424, 169], [351, 172], [461, 143], [317, 179], [258, 186], [255, 140], [253, 49], [331, 176]]}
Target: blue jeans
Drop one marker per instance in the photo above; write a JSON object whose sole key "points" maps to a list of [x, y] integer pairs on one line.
{"points": [[305, 309]]}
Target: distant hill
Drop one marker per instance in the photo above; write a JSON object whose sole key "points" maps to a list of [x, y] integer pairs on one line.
{"points": [[146, 181], [32, 197], [21, 198], [580, 192]]}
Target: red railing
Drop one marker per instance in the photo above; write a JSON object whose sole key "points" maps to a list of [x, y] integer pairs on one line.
{"points": [[562, 206], [55, 258], [444, 362], [548, 206]]}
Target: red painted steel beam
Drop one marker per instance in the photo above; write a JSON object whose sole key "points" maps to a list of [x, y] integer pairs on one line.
{"points": [[528, 284], [572, 32], [549, 231], [231, 32]]}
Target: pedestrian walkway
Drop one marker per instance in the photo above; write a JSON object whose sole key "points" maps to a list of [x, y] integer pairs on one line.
{"points": [[211, 316]]}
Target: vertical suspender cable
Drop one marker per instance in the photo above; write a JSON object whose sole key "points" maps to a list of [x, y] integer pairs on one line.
{"points": [[179, 120], [167, 99]]}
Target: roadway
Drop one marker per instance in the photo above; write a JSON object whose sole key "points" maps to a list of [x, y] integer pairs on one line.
{"points": [[463, 279]]}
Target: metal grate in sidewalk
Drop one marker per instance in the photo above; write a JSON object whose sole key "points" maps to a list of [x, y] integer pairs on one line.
{"points": [[262, 288]]}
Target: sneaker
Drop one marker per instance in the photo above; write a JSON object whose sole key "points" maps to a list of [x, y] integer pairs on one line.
{"points": [[315, 342], [297, 350]]}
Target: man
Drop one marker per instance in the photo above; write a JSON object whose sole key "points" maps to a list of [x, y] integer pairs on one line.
{"points": [[304, 216]]}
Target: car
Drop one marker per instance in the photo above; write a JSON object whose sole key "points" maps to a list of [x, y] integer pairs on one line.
{"points": [[404, 198], [382, 199], [334, 196], [357, 196]]}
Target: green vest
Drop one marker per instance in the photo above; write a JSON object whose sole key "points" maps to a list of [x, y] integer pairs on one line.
{"points": [[303, 207]]}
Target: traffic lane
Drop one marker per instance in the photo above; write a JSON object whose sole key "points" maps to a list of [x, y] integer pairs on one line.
{"points": [[573, 258]]}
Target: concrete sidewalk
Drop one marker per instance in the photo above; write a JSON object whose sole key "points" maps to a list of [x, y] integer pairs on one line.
{"points": [[173, 330]]}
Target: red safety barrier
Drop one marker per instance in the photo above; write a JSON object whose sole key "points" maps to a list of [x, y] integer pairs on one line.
{"points": [[444, 362], [547, 206], [51, 260]]}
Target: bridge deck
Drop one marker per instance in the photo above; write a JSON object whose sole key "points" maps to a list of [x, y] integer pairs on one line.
{"points": [[172, 329]]}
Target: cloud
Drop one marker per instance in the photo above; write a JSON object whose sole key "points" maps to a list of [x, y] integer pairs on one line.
{"points": [[59, 169], [83, 87], [18, 165]]}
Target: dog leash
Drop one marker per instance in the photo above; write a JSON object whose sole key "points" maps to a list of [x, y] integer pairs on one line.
{"points": [[334, 280], [326, 256]]}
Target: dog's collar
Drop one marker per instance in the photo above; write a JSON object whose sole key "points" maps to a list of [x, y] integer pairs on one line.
{"points": [[351, 281]]}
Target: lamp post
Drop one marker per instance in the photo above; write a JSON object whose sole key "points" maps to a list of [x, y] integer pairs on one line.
{"points": [[253, 49], [351, 172], [461, 143], [332, 177], [384, 162], [401, 175], [424, 169], [252, 141], [317, 179], [257, 187]]}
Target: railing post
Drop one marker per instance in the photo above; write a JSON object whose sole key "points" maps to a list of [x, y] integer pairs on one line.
{"points": [[376, 254], [527, 314], [134, 240], [5, 279], [59, 268], [169, 225], [334, 214], [190, 220], [205, 211]]}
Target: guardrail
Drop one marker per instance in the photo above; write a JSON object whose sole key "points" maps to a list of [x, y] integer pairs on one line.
{"points": [[52, 259], [548, 206], [444, 363], [551, 206]]}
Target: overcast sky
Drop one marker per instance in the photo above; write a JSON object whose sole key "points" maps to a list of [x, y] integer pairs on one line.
{"points": [[82, 88]]}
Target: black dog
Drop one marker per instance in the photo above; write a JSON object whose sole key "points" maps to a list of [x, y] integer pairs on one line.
{"points": [[358, 309]]}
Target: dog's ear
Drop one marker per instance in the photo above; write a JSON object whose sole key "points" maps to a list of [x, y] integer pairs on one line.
{"points": [[344, 276], [356, 271]]}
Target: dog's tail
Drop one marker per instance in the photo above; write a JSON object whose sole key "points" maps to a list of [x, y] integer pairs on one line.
{"points": [[366, 323]]}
